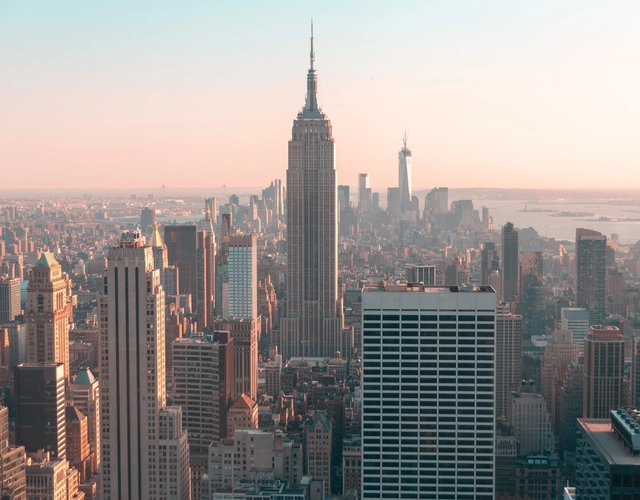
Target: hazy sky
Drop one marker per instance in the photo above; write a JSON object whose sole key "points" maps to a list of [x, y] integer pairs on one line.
{"points": [[491, 93]]}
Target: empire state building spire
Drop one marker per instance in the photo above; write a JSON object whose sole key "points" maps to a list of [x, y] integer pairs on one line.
{"points": [[311, 109]]}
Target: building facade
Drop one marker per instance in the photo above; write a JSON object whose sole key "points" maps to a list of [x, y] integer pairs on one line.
{"points": [[603, 371], [428, 399], [510, 264], [135, 419], [48, 314], [591, 273], [313, 322]]}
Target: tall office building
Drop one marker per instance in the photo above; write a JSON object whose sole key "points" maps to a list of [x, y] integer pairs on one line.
{"points": [[576, 320], [138, 430], [317, 448], [241, 299], [404, 176], [603, 371], [490, 261], [428, 392], [12, 473], [9, 299], [84, 394], [560, 351], [147, 219], [508, 358], [197, 377], [207, 269], [365, 202], [160, 252], [190, 251], [607, 466], [211, 206], [39, 407], [343, 198], [313, 324], [49, 312], [532, 296], [510, 263], [530, 419], [415, 273], [591, 273], [245, 334]]}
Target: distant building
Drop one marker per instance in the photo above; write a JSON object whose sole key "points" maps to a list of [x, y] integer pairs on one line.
{"points": [[591, 273], [603, 371], [243, 414], [510, 263], [508, 359], [415, 273], [318, 443], [576, 320], [538, 475], [9, 299], [14, 458], [39, 407], [404, 176], [490, 261], [531, 420], [48, 314]]}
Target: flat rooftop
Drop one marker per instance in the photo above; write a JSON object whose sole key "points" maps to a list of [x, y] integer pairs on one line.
{"points": [[601, 433], [419, 287]]}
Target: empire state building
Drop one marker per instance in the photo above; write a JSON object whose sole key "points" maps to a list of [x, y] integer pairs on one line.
{"points": [[313, 323]]}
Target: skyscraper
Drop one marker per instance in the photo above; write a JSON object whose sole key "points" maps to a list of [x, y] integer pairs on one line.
{"points": [[313, 322], [576, 320], [191, 252], [241, 301], [138, 430], [49, 310], [245, 334], [532, 299], [510, 263], [9, 299], [40, 401], [591, 273], [508, 359], [84, 394], [490, 261], [404, 176], [428, 376], [364, 194], [603, 371]]}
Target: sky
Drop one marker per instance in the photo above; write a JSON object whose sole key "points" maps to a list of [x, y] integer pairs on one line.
{"points": [[188, 94]]}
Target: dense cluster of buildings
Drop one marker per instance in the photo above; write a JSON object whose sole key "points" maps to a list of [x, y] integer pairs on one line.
{"points": [[303, 345]]}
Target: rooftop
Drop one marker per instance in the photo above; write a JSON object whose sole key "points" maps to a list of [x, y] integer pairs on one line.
{"points": [[612, 449], [47, 260], [419, 287]]}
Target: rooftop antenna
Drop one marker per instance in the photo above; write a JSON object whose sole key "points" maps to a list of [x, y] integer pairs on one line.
{"points": [[312, 55], [404, 140]]}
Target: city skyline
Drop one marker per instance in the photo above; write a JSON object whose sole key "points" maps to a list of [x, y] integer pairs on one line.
{"points": [[531, 92]]}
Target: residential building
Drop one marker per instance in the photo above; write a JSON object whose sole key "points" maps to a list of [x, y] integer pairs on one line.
{"points": [[318, 441]]}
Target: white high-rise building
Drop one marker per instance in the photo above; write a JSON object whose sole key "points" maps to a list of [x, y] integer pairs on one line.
{"points": [[242, 296], [139, 432], [404, 176], [576, 320], [428, 399]]}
